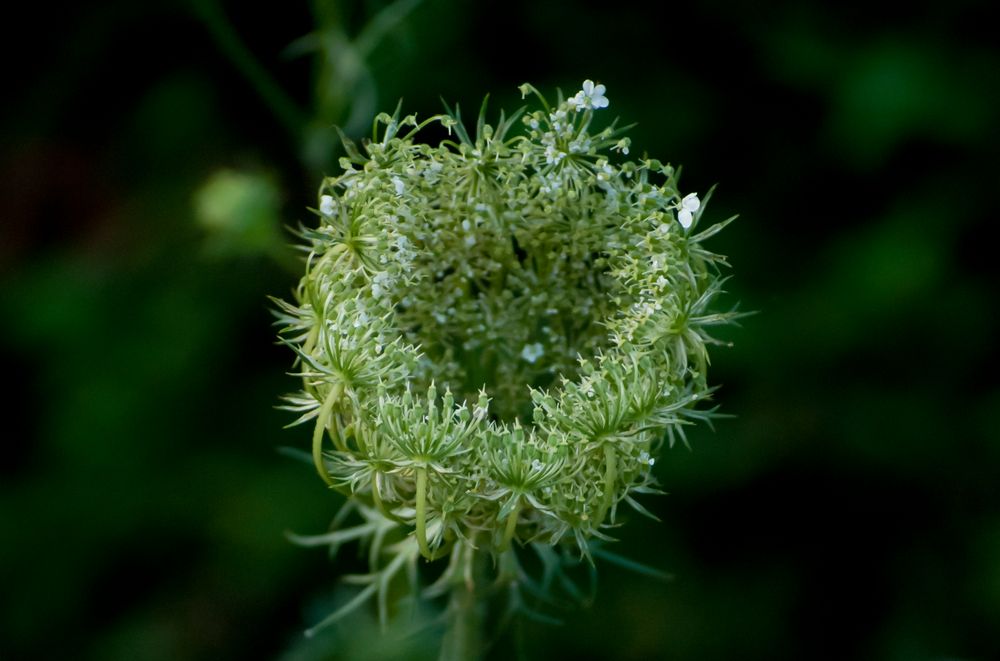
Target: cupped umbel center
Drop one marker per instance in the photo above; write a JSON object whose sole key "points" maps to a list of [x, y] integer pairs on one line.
{"points": [[505, 309]]}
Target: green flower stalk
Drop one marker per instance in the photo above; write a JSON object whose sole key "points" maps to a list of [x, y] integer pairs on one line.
{"points": [[496, 335]]}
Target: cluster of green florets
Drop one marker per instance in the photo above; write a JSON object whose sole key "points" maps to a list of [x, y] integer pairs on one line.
{"points": [[498, 332]]}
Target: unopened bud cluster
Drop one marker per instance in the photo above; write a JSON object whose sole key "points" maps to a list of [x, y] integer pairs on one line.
{"points": [[497, 333]]}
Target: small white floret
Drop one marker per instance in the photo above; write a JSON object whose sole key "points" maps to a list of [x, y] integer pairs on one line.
{"points": [[689, 205], [532, 352], [691, 202], [326, 206], [591, 96]]}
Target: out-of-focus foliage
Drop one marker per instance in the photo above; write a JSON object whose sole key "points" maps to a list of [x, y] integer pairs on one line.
{"points": [[850, 510], [240, 212]]}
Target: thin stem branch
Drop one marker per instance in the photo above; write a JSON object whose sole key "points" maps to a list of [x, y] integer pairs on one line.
{"points": [[610, 478], [421, 506], [510, 527], [321, 426]]}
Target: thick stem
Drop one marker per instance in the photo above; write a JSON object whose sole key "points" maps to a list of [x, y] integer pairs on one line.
{"points": [[510, 527]]}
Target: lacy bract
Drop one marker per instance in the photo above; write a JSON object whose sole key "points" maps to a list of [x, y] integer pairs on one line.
{"points": [[497, 332]]}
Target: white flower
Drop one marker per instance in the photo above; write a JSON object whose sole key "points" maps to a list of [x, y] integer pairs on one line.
{"points": [[553, 155], [688, 206], [326, 205], [644, 458], [400, 186], [604, 170], [591, 96], [537, 465], [381, 284], [532, 352]]}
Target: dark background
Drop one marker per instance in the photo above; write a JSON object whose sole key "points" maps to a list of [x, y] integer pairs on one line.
{"points": [[849, 510]]}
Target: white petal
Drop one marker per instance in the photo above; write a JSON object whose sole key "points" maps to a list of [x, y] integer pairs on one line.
{"points": [[691, 202], [326, 205], [600, 102], [684, 218], [599, 90], [532, 352], [588, 87]]}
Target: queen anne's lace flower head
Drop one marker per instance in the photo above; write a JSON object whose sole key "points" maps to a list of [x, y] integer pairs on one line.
{"points": [[497, 333]]}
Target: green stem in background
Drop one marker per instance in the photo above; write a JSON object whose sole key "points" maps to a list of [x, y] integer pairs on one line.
{"points": [[275, 98], [381, 24], [425, 549], [321, 422], [462, 639]]}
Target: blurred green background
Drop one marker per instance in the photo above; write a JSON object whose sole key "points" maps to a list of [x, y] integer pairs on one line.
{"points": [[153, 152]]}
